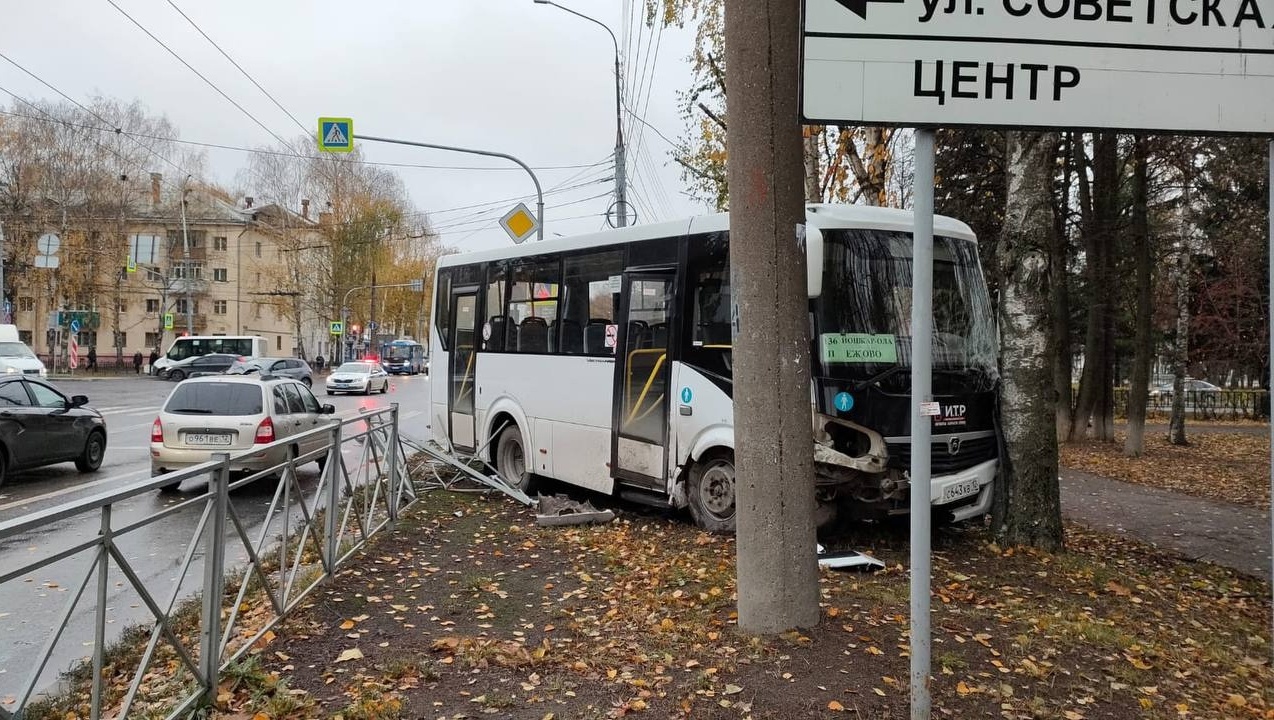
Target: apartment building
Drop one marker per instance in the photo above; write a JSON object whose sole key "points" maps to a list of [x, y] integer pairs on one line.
{"points": [[225, 270]]}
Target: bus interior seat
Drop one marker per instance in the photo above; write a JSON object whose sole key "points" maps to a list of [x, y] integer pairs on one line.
{"points": [[638, 334], [595, 337], [716, 333], [498, 324], [533, 335], [569, 336], [659, 335]]}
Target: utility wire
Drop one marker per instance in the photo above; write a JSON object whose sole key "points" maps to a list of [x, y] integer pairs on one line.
{"points": [[200, 75], [275, 153], [237, 66]]}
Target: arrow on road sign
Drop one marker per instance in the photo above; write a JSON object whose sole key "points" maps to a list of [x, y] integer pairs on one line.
{"points": [[859, 7]]}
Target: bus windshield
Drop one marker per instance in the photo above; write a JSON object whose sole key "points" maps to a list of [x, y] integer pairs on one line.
{"points": [[398, 352], [863, 317]]}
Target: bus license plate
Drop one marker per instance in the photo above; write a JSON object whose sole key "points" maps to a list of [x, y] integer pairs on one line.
{"points": [[960, 490], [207, 439]]}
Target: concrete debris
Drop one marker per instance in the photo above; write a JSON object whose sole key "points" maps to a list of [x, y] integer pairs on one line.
{"points": [[559, 510]]}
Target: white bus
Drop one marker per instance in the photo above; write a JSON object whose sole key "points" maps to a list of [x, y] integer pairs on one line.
{"points": [[604, 361], [250, 346]]}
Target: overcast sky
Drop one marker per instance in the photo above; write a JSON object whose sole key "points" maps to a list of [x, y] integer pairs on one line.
{"points": [[507, 75]]}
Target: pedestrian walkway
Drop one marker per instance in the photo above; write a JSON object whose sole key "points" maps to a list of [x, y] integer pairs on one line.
{"points": [[1234, 536]]}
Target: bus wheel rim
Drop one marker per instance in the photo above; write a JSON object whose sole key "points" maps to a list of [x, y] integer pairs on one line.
{"points": [[716, 490]]}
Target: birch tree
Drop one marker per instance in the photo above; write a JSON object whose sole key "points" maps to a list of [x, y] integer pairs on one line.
{"points": [[1027, 510]]}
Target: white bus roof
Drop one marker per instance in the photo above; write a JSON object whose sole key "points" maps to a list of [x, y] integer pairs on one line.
{"points": [[825, 216]]}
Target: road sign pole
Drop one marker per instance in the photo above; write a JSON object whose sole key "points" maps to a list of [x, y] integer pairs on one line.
{"points": [[921, 425], [539, 193], [1270, 363]]}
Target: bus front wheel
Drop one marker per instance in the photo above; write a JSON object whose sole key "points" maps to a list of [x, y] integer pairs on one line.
{"points": [[711, 492], [510, 459]]}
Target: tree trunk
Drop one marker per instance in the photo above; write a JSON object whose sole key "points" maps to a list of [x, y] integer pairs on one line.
{"points": [[1086, 397], [774, 487], [1027, 510], [1106, 209], [1139, 383], [1059, 257], [813, 188], [876, 147]]}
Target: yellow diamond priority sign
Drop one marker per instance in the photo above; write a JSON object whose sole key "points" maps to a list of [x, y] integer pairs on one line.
{"points": [[520, 223]]}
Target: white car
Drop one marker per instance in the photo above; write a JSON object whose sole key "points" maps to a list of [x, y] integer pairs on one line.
{"points": [[361, 377], [234, 414]]}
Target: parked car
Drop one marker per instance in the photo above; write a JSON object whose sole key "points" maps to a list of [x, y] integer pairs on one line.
{"points": [[234, 414], [364, 377], [40, 426], [212, 363], [1199, 388], [16, 357], [278, 367]]}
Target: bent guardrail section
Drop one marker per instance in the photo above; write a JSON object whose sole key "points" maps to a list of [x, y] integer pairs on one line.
{"points": [[318, 522]]}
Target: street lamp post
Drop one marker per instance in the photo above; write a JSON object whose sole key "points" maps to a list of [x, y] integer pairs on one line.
{"points": [[621, 171]]}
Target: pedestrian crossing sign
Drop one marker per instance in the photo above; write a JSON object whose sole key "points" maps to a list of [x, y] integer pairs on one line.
{"points": [[336, 328], [336, 134]]}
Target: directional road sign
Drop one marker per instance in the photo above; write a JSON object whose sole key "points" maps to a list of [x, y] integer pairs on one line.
{"points": [[75, 326], [1179, 65], [336, 328], [520, 223], [336, 135]]}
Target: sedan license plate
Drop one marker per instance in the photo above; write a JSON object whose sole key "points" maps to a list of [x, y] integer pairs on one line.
{"points": [[213, 439], [960, 490]]}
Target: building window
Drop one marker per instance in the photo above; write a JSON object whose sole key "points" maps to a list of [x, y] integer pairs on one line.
{"points": [[144, 249], [219, 307], [25, 336], [152, 305], [183, 270], [219, 243], [181, 307], [278, 342], [121, 339], [258, 278], [26, 304], [258, 249], [152, 339], [154, 276], [220, 275], [122, 305]]}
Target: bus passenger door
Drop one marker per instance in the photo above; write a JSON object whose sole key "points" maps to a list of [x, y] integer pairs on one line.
{"points": [[464, 313], [640, 408]]}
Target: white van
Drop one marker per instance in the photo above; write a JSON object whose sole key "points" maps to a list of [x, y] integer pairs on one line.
{"points": [[248, 346], [16, 357]]}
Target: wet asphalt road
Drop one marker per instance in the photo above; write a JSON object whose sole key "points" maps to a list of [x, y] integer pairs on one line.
{"points": [[31, 605]]}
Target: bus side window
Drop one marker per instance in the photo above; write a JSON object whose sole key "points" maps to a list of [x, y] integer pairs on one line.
{"points": [[590, 286], [442, 313]]}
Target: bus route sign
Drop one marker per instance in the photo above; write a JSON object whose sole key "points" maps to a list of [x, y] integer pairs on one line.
{"points": [[1204, 66]]}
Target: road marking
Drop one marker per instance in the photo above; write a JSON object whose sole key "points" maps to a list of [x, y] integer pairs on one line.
{"points": [[72, 489]]}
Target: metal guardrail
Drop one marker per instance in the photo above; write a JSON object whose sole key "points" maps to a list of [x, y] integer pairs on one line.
{"points": [[1205, 404], [314, 541]]}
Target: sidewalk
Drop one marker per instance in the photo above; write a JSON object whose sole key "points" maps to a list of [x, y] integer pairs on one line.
{"points": [[1234, 536]]}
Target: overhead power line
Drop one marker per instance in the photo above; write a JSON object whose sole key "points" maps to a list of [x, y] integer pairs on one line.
{"points": [[237, 66], [198, 74]]}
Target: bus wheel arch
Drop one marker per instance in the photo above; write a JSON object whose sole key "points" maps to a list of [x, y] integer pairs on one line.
{"points": [[710, 491]]}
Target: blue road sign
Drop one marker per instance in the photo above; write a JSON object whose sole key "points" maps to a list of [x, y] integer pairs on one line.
{"points": [[75, 326], [336, 134]]}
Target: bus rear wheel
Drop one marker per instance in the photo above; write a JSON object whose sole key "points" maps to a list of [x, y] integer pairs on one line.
{"points": [[510, 459], [711, 492]]}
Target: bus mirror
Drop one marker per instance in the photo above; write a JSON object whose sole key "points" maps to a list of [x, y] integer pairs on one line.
{"points": [[813, 261]]}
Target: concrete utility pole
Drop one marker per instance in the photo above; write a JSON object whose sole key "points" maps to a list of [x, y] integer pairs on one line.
{"points": [[185, 259], [774, 486]]}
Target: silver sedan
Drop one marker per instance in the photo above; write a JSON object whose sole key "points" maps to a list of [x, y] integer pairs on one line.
{"points": [[360, 377]]}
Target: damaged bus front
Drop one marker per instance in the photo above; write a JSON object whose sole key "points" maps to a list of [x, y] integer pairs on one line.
{"points": [[860, 310]]}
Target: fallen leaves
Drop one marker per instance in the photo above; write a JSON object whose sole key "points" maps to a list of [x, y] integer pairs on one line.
{"points": [[350, 654]]}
